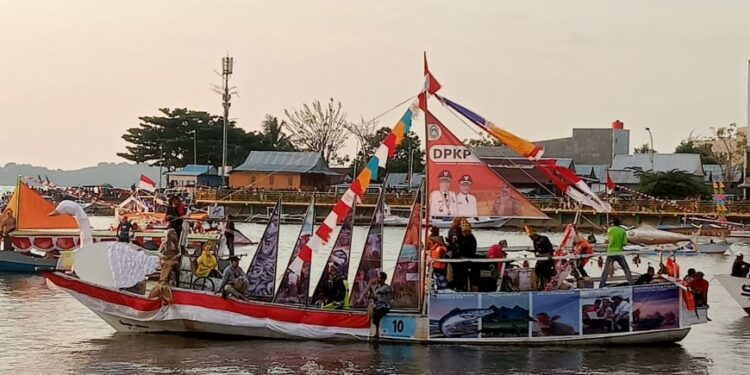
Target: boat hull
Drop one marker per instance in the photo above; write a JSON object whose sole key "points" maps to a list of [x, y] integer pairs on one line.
{"points": [[738, 288], [202, 313], [16, 262]]}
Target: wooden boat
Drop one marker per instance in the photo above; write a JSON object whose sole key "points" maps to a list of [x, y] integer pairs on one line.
{"points": [[422, 311]]}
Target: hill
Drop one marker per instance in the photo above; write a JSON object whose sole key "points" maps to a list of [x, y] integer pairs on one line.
{"points": [[117, 174]]}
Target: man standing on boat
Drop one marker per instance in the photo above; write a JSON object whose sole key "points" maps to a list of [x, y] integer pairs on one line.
{"points": [[8, 226], [617, 237], [124, 229], [544, 269], [466, 203], [443, 201]]}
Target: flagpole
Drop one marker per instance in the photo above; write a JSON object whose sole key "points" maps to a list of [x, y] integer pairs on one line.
{"points": [[425, 270]]}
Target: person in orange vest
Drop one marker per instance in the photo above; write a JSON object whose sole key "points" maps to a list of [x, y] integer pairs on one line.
{"points": [[437, 251], [699, 287]]}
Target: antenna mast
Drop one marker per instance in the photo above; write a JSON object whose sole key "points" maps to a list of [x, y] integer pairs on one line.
{"points": [[226, 96]]}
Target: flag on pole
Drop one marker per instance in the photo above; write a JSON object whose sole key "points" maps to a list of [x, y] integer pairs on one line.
{"points": [[147, 184], [610, 185], [431, 86]]}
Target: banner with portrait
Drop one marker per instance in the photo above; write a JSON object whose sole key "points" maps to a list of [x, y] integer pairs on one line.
{"points": [[461, 185], [606, 310], [555, 314]]}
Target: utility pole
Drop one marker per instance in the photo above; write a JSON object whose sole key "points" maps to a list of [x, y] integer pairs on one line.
{"points": [[651, 151], [226, 96]]}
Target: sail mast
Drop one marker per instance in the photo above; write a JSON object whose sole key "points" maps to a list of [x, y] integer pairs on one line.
{"points": [[424, 267]]}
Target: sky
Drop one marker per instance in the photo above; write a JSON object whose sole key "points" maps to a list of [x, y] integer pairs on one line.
{"points": [[74, 74]]}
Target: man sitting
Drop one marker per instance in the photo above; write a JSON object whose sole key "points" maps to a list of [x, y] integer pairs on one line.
{"points": [[233, 281], [699, 287], [334, 289]]}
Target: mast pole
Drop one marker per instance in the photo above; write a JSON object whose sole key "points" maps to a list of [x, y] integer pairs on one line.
{"points": [[425, 270]]}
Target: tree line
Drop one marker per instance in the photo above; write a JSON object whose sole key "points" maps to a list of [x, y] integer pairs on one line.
{"points": [[177, 137]]}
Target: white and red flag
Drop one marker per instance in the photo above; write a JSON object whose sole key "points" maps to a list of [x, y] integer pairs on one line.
{"points": [[147, 184]]}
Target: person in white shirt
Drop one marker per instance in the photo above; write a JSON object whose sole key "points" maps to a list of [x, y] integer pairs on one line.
{"points": [[443, 201], [466, 203]]}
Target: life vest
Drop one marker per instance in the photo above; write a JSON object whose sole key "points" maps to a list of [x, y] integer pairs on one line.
{"points": [[672, 268], [437, 252]]}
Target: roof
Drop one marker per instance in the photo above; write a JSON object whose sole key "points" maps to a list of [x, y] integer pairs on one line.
{"points": [[285, 161], [690, 163], [399, 180], [596, 171], [193, 170], [622, 177], [716, 172]]}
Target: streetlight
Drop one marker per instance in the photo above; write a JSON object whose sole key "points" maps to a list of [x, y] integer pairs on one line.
{"points": [[194, 132], [651, 148]]}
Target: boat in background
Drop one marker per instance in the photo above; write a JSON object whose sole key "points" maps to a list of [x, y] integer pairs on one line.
{"points": [[39, 237], [738, 288]]}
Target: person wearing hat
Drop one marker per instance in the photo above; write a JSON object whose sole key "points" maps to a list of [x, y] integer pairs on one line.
{"points": [[233, 280], [443, 200], [466, 203]]}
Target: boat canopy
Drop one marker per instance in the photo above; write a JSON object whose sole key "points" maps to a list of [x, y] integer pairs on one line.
{"points": [[31, 211]]}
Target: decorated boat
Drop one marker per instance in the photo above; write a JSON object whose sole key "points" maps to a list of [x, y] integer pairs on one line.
{"points": [[498, 309]]}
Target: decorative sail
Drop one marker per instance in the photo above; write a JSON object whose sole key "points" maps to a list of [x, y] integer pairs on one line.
{"points": [[32, 211], [294, 286], [340, 256], [261, 274], [405, 280], [385, 151], [461, 185], [372, 258]]}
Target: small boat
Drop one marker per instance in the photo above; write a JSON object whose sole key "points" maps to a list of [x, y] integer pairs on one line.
{"points": [[482, 222], [391, 220], [738, 288]]}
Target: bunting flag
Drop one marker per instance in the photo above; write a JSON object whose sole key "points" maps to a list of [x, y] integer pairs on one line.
{"points": [[515, 143], [359, 185], [405, 280], [431, 86], [261, 275], [294, 286], [610, 184], [563, 267], [371, 262], [573, 186], [339, 257]]}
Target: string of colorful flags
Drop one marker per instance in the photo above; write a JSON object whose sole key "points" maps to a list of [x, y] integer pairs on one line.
{"points": [[356, 190]]}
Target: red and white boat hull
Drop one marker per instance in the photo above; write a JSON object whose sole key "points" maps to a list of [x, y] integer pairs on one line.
{"points": [[738, 288], [200, 312]]}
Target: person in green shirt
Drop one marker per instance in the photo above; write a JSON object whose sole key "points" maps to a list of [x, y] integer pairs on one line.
{"points": [[617, 237]]}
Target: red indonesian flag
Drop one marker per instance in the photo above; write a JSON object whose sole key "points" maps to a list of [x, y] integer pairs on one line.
{"points": [[431, 85], [146, 183], [610, 184]]}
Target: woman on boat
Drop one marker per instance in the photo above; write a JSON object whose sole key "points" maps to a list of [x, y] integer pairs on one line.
{"points": [[207, 263], [169, 253]]}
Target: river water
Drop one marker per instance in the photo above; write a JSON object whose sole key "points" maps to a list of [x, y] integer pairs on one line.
{"points": [[48, 332]]}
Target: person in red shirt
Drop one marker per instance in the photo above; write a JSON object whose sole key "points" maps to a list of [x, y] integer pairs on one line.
{"points": [[582, 247], [699, 287]]}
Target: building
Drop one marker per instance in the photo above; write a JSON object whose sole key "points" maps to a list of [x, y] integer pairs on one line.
{"points": [[400, 181], [520, 172], [590, 145], [624, 167], [278, 170], [715, 173], [195, 175]]}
